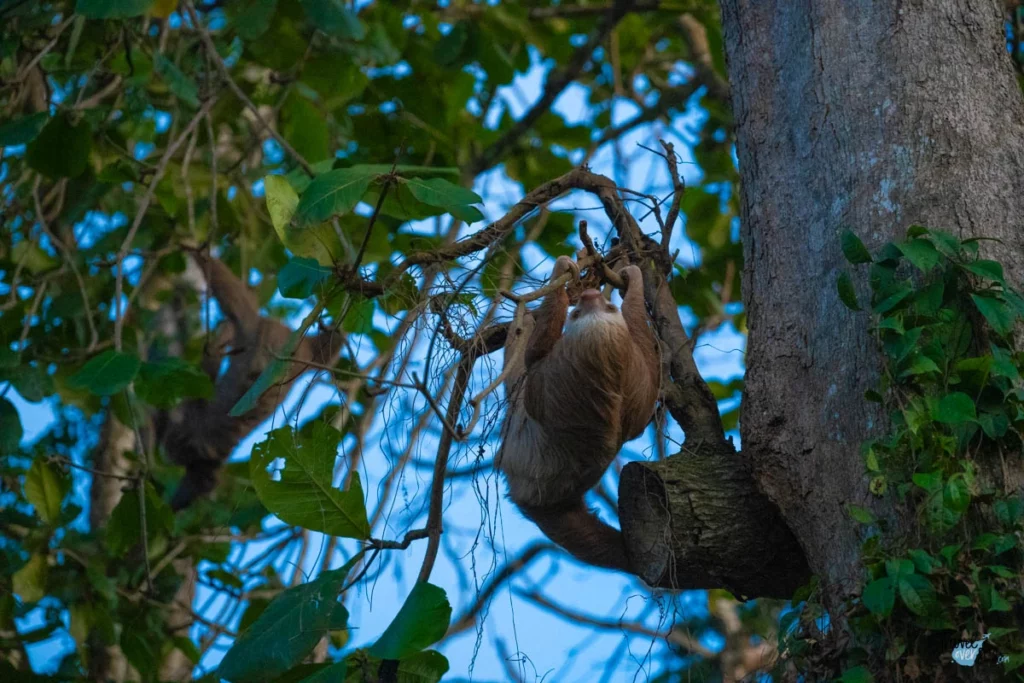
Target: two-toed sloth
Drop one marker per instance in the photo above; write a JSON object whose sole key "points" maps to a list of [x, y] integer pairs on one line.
{"points": [[574, 398], [200, 434]]}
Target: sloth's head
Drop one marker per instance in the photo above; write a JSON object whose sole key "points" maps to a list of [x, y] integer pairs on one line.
{"points": [[593, 312]]}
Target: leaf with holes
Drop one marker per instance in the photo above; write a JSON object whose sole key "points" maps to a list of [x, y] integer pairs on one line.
{"points": [[302, 492]]}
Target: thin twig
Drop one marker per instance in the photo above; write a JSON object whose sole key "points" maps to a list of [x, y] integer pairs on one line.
{"points": [[211, 51], [147, 198]]}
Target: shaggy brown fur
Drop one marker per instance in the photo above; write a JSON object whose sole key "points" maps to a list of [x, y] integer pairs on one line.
{"points": [[574, 399]]}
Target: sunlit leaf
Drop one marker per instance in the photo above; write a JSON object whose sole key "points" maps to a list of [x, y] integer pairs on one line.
{"points": [[29, 582]]}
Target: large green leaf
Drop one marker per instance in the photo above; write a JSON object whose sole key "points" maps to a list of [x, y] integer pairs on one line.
{"points": [[61, 150], [921, 253], [290, 626], [456, 200], [917, 594], [423, 667], [421, 622], [45, 488], [879, 596], [107, 373], [163, 383], [23, 130], [996, 312], [955, 408], [31, 381], [332, 193], [303, 492], [112, 9]]}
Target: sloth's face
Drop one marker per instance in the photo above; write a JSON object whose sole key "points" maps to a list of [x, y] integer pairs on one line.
{"points": [[593, 311]]}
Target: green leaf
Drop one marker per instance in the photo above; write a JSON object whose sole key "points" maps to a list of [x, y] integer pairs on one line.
{"points": [[301, 276], [918, 594], [954, 408], [178, 82], [332, 193], [929, 481], [304, 493], [288, 629], [112, 9], [34, 257], [251, 18], [421, 622], [862, 515], [846, 292], [30, 581], [947, 244], [456, 200], [996, 312], [857, 674], [1002, 363], [919, 365], [892, 300], [10, 427], [921, 253], [896, 568], [107, 373], [956, 496], [879, 596], [853, 249], [22, 131], [45, 488], [329, 674], [124, 530], [281, 202], [333, 18], [61, 150], [163, 383], [923, 562], [989, 270]]}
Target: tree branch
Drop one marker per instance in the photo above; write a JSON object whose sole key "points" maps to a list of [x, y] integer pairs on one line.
{"points": [[556, 83]]}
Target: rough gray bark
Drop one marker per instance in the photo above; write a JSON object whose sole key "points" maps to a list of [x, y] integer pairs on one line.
{"points": [[871, 116]]}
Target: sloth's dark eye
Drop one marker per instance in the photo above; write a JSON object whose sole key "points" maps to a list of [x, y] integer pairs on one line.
{"points": [[574, 315]]}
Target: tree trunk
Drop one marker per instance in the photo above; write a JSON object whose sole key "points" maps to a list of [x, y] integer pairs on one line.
{"points": [[871, 116]]}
